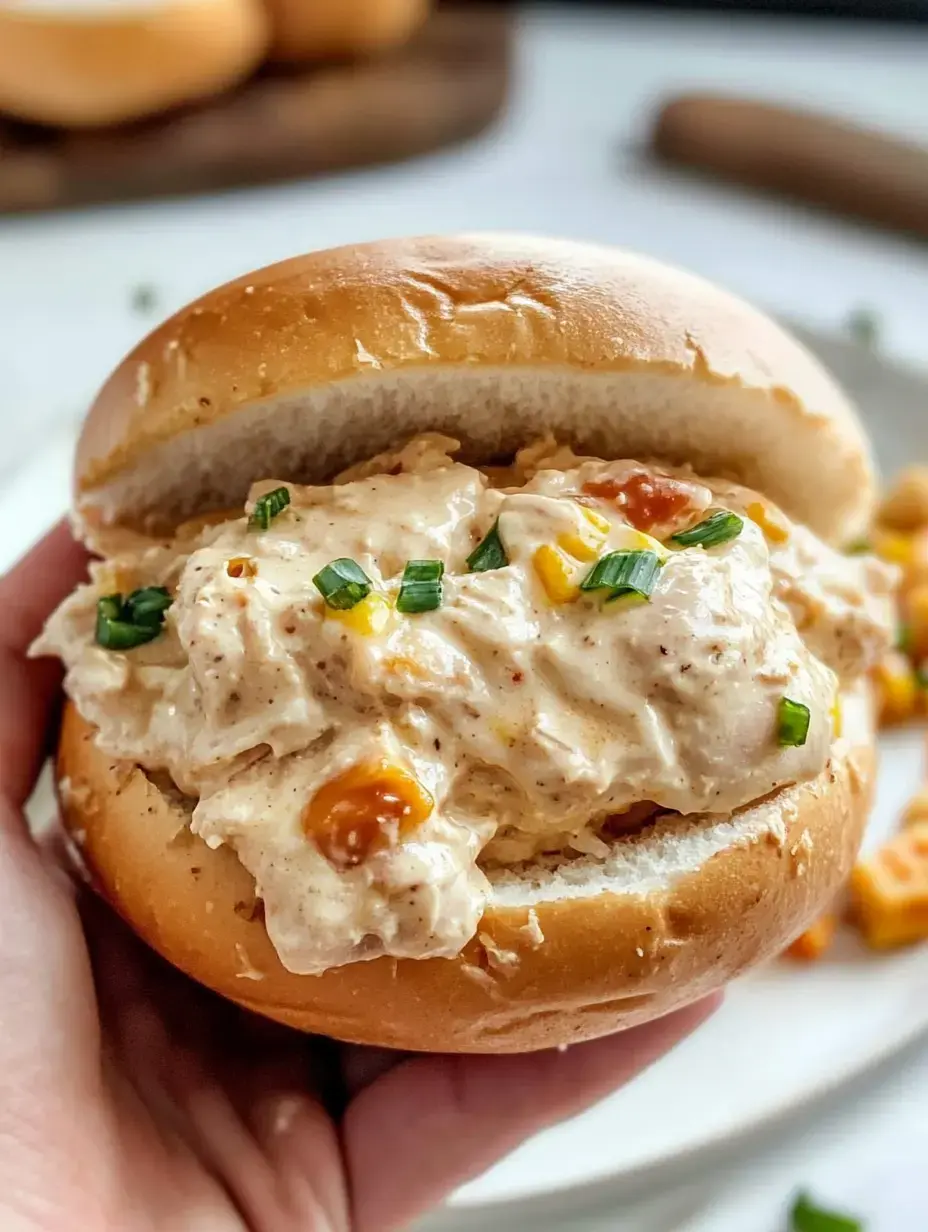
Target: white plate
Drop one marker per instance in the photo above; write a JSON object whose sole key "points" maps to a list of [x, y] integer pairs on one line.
{"points": [[785, 1035]]}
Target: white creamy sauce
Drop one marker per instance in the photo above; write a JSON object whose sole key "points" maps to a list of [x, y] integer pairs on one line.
{"points": [[527, 721]]}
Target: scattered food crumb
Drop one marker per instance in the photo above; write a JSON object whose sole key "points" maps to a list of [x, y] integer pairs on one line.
{"points": [[144, 299], [864, 327], [531, 929], [248, 970], [498, 958]]}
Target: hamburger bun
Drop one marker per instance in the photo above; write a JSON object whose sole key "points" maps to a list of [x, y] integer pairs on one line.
{"points": [[94, 63], [305, 367], [332, 29]]}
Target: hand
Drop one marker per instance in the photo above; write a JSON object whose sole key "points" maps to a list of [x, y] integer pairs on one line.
{"points": [[132, 1099]]}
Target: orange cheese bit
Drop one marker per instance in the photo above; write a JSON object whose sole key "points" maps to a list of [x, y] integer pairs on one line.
{"points": [[596, 520], [815, 941], [917, 808], [889, 891], [363, 810], [578, 548], [242, 567], [369, 617], [112, 578], [555, 574], [402, 665], [586, 547], [896, 687], [905, 506], [896, 548], [916, 611], [774, 530]]}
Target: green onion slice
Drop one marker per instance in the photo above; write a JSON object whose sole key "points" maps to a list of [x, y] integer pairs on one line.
{"points": [[267, 507], [148, 605], [624, 573], [123, 624], [858, 547], [903, 638], [807, 1217], [420, 589], [342, 584], [792, 723], [719, 527], [490, 554]]}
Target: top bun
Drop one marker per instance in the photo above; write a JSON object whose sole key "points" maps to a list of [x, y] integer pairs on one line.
{"points": [[92, 63], [307, 366]]}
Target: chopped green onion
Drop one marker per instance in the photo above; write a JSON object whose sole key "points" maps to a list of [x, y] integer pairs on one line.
{"points": [[864, 327], [903, 638], [420, 590], [267, 507], [624, 573], [793, 720], [490, 553], [921, 675], [148, 605], [342, 584], [125, 624], [718, 528], [806, 1217], [109, 607], [858, 547]]}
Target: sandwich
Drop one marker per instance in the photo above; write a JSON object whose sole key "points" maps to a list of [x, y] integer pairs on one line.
{"points": [[471, 662]]}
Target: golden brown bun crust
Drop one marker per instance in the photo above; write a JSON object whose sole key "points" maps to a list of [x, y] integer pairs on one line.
{"points": [[494, 338], [84, 68], [324, 29], [606, 962]]}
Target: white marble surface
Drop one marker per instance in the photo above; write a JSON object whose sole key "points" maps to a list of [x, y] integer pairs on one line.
{"points": [[565, 159]]}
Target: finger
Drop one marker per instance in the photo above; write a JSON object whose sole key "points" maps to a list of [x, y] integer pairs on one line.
{"points": [[433, 1122], [362, 1066], [28, 593], [240, 1091]]}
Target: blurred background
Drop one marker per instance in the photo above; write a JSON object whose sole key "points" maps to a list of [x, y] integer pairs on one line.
{"points": [[150, 149]]}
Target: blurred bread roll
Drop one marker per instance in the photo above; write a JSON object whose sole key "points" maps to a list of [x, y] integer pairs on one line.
{"points": [[329, 29], [90, 63]]}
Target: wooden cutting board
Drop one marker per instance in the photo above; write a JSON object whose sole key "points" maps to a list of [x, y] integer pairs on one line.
{"points": [[448, 84]]}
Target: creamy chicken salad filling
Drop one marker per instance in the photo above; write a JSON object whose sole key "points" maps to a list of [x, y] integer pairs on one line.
{"points": [[375, 690]]}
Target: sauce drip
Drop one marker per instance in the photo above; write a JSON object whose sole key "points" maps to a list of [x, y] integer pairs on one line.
{"points": [[647, 500], [366, 809]]}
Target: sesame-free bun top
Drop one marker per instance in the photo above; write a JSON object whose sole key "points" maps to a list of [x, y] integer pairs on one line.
{"points": [[87, 63], [301, 368]]}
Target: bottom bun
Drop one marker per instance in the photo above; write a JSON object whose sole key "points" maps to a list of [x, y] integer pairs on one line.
{"points": [[562, 955]]}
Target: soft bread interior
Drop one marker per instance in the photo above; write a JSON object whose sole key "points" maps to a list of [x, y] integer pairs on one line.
{"points": [[307, 437]]}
